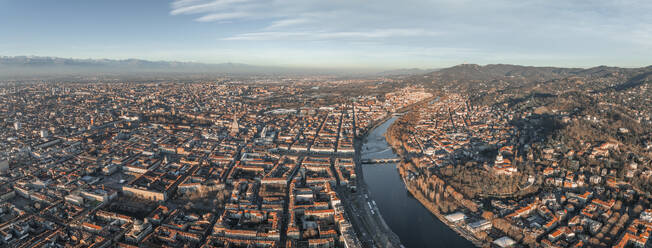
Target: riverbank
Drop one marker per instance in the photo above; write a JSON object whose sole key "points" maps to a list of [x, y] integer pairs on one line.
{"points": [[366, 218], [408, 218], [417, 194], [397, 146]]}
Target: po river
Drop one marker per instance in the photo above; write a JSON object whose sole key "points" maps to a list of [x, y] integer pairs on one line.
{"points": [[411, 221]]}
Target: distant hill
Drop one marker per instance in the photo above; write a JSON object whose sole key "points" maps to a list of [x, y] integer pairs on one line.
{"points": [[410, 71], [468, 75], [502, 71]]}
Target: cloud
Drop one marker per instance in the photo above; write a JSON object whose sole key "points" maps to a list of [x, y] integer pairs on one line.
{"points": [[223, 16], [383, 33], [287, 22], [201, 7], [487, 28]]}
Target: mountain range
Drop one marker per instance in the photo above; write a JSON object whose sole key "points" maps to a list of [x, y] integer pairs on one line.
{"points": [[34, 67]]}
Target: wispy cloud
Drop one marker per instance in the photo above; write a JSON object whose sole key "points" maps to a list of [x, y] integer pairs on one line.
{"points": [[518, 28], [202, 7], [223, 16], [298, 19], [287, 22], [383, 33]]}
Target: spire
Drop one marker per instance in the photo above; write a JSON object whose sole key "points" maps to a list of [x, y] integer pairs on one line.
{"points": [[235, 128]]}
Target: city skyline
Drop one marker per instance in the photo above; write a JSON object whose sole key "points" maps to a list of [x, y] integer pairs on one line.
{"points": [[337, 34]]}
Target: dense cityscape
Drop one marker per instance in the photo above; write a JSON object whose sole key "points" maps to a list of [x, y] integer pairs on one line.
{"points": [[200, 164], [255, 162], [325, 124]]}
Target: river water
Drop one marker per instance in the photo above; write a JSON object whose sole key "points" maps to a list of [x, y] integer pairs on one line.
{"points": [[411, 221]]}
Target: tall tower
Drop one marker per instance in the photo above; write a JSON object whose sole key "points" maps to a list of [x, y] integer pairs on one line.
{"points": [[235, 128]]}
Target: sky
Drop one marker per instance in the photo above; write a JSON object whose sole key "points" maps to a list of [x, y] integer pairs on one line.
{"points": [[335, 33]]}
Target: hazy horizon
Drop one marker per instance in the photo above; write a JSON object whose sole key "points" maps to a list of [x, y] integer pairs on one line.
{"points": [[299, 67]]}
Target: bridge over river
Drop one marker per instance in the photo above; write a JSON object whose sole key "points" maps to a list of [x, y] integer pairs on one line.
{"points": [[381, 161], [405, 215]]}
